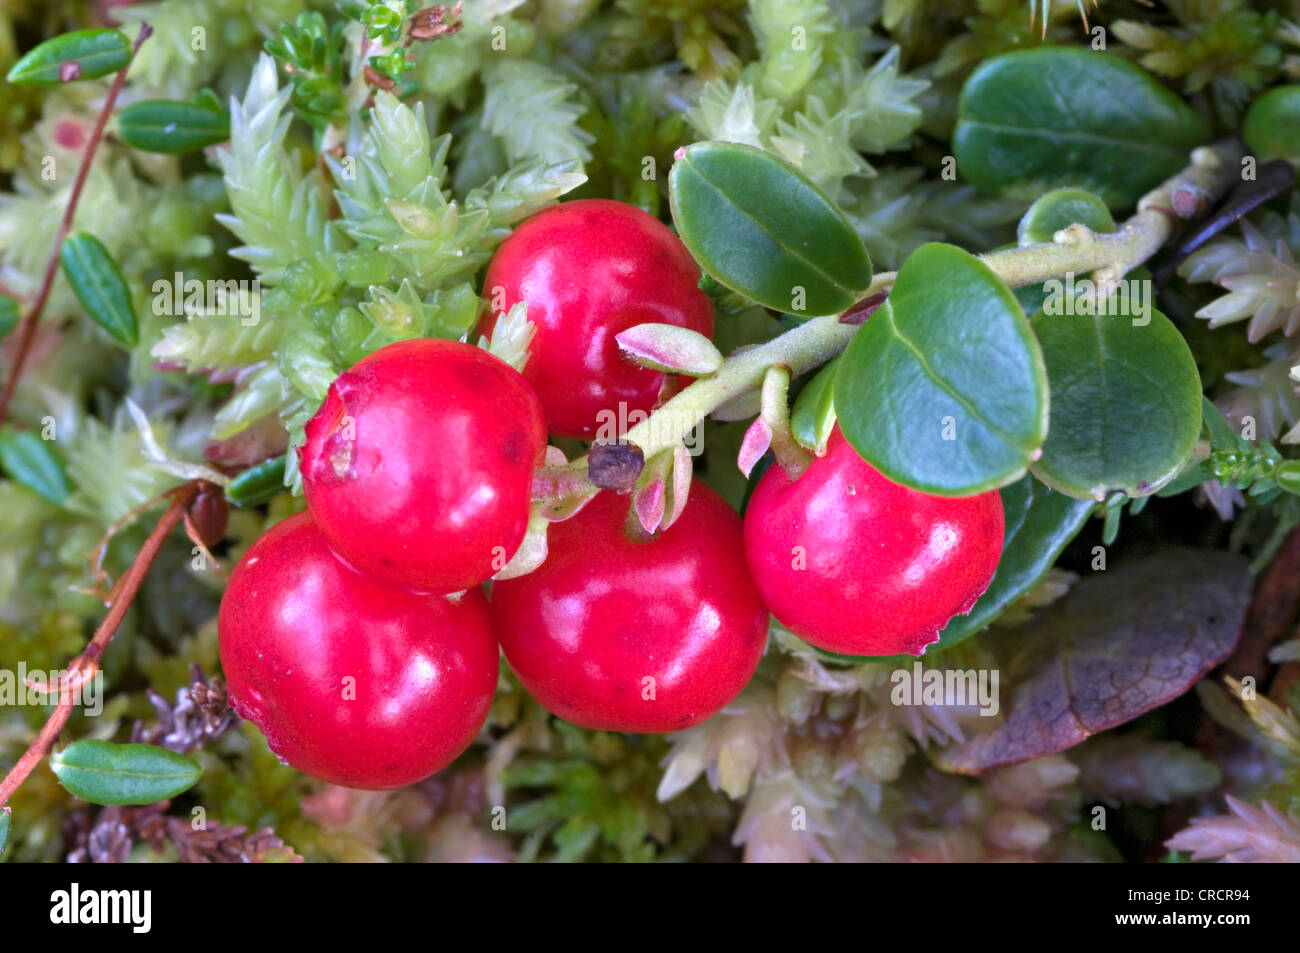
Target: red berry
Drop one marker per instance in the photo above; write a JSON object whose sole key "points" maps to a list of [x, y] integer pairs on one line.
{"points": [[353, 682], [635, 636], [859, 565], [419, 467], [589, 270]]}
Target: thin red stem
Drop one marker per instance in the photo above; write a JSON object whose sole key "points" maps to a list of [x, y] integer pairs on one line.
{"points": [[27, 332], [86, 664]]}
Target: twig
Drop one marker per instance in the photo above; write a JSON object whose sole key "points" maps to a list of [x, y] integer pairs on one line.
{"points": [[87, 663], [27, 332]]}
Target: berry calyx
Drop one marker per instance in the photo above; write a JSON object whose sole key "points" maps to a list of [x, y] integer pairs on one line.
{"points": [[418, 468], [621, 635], [589, 270], [857, 564], [355, 683]]}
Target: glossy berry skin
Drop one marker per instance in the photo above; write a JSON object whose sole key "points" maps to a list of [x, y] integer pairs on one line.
{"points": [[858, 565], [589, 270], [296, 625], [418, 468], [604, 613]]}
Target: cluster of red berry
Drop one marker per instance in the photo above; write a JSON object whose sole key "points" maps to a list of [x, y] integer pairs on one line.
{"points": [[357, 635]]}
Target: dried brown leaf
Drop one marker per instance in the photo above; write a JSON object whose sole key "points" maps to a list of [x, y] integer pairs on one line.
{"points": [[1121, 643]]}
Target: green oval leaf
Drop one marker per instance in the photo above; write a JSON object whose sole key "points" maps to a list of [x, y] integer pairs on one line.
{"points": [[105, 773], [760, 227], [258, 484], [9, 314], [4, 829], [944, 388], [171, 126], [1061, 208], [82, 54], [1039, 119], [1272, 125], [99, 287], [30, 462], [1039, 524], [813, 416], [1126, 399]]}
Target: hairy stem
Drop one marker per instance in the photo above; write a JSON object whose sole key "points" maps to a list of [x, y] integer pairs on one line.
{"points": [[1077, 249], [1111, 255]]}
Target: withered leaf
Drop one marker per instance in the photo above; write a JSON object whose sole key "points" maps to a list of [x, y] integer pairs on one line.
{"points": [[1121, 643]]}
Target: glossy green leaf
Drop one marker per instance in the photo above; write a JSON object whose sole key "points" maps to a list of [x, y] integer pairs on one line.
{"points": [[99, 287], [1272, 125], [171, 126], [944, 389], [1059, 209], [1030, 297], [105, 773], [258, 484], [30, 462], [1217, 427], [1126, 401], [762, 229], [1188, 479], [1216, 430], [1039, 524], [82, 54], [812, 418], [9, 314], [1050, 117]]}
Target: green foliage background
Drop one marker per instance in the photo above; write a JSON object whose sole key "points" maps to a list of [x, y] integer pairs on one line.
{"points": [[384, 238]]}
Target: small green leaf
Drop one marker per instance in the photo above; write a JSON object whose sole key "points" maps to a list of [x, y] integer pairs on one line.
{"points": [[1039, 524], [1272, 125], [1126, 401], [761, 228], [1040, 119], [943, 389], [171, 126], [99, 287], [1217, 431], [258, 484], [9, 313], [4, 829], [1217, 427], [30, 462], [1060, 208], [82, 54], [1189, 478], [813, 416], [105, 773]]}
